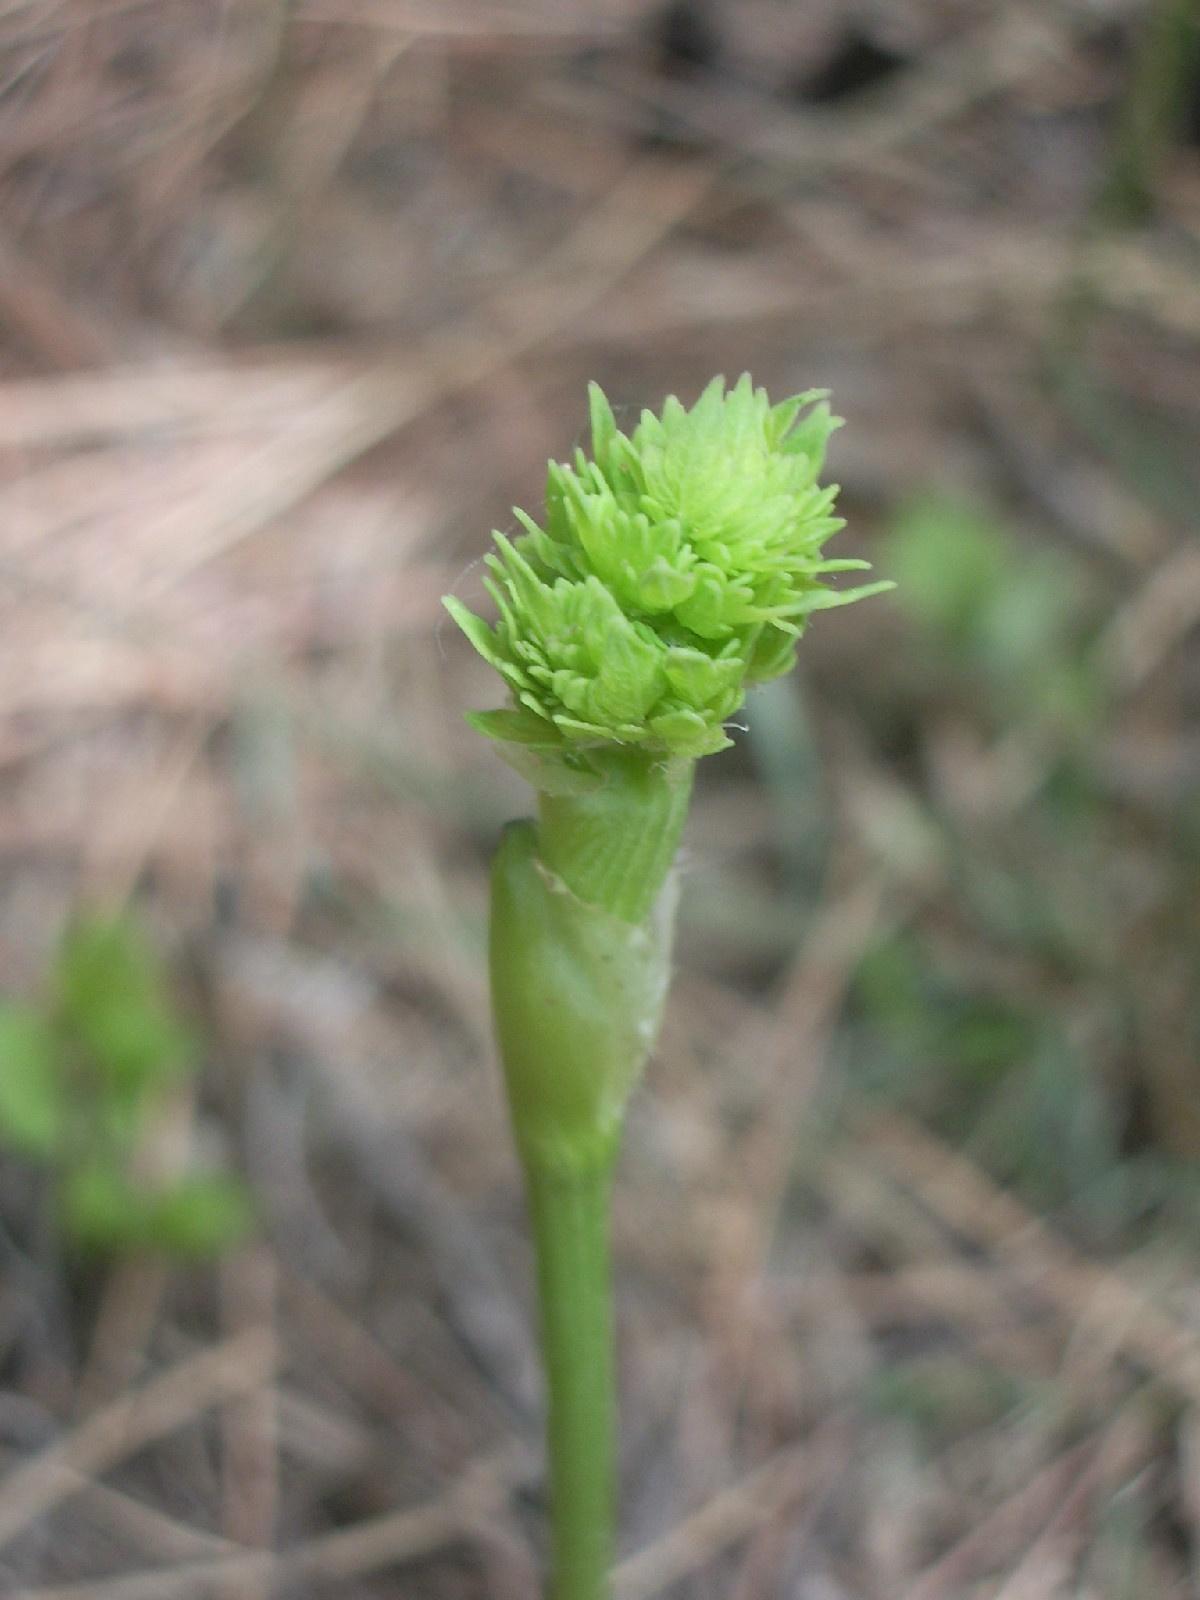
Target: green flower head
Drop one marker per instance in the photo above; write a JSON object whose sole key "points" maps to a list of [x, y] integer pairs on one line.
{"points": [[675, 568]]}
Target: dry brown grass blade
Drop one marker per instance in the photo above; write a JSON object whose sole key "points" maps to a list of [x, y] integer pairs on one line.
{"points": [[1086, 1294], [786, 1049], [250, 1424], [1011, 44], [726, 1519], [158, 1536], [172, 397], [1155, 618], [976, 1302], [641, 209], [517, 24], [1031, 1507], [1116, 1460], [131, 1422], [42, 316], [723, 1521], [385, 1541]]}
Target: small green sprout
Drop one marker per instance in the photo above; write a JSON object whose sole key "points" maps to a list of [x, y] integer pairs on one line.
{"points": [[84, 1074], [673, 570]]}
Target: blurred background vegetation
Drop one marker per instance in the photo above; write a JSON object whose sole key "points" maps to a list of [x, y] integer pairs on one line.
{"points": [[296, 299]]}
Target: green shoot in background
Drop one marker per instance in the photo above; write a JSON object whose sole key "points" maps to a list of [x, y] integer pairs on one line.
{"points": [[673, 570], [1006, 1005], [84, 1074], [1008, 616]]}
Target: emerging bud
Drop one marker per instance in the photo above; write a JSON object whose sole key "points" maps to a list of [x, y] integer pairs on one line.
{"points": [[675, 569]]}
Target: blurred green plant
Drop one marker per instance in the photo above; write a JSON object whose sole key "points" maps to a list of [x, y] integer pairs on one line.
{"points": [[1014, 617], [994, 1076], [84, 1075], [1001, 1014], [943, 1395], [1154, 109]]}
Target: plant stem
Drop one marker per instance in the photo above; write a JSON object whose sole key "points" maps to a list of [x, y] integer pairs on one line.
{"points": [[569, 1211], [614, 846]]}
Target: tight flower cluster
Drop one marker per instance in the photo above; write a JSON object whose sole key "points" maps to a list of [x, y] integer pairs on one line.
{"points": [[674, 570]]}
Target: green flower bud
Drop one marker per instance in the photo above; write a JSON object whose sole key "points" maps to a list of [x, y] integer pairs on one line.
{"points": [[675, 569]]}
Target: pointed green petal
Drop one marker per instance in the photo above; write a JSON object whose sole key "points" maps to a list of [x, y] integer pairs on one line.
{"points": [[603, 424], [475, 628], [827, 599], [516, 727]]}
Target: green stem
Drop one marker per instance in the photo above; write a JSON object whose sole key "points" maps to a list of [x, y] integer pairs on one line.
{"points": [[614, 845], [569, 1211]]}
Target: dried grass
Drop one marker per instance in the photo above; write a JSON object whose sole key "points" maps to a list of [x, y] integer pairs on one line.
{"points": [[296, 301]]}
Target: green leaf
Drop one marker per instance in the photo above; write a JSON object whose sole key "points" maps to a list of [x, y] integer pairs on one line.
{"points": [[113, 997], [136, 1045], [105, 1210], [949, 560], [33, 1103], [200, 1216], [101, 1209]]}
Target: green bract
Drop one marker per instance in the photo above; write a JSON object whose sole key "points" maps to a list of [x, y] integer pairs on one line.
{"points": [[578, 994], [675, 569]]}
